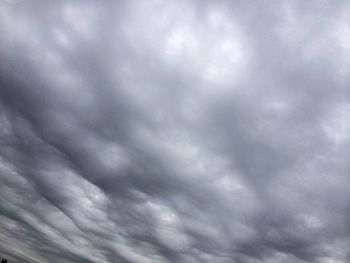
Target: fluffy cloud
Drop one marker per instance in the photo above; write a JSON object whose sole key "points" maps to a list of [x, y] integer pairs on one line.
{"points": [[175, 131]]}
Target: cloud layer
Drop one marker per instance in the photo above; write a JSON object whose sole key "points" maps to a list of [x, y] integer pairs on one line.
{"points": [[175, 131]]}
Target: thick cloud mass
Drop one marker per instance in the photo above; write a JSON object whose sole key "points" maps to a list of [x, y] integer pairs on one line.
{"points": [[175, 131]]}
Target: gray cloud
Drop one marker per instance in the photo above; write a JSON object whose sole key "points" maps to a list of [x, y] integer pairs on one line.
{"points": [[175, 131]]}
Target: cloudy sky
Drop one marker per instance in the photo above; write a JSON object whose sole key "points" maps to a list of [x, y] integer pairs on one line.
{"points": [[163, 131]]}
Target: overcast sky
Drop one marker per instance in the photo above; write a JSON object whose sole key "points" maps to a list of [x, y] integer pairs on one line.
{"points": [[184, 131]]}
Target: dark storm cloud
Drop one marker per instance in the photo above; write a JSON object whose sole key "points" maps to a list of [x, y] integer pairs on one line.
{"points": [[175, 131]]}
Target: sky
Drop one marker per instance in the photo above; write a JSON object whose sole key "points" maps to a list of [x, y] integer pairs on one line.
{"points": [[163, 131]]}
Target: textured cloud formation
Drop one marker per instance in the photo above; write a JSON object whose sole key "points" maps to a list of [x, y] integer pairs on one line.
{"points": [[175, 131]]}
